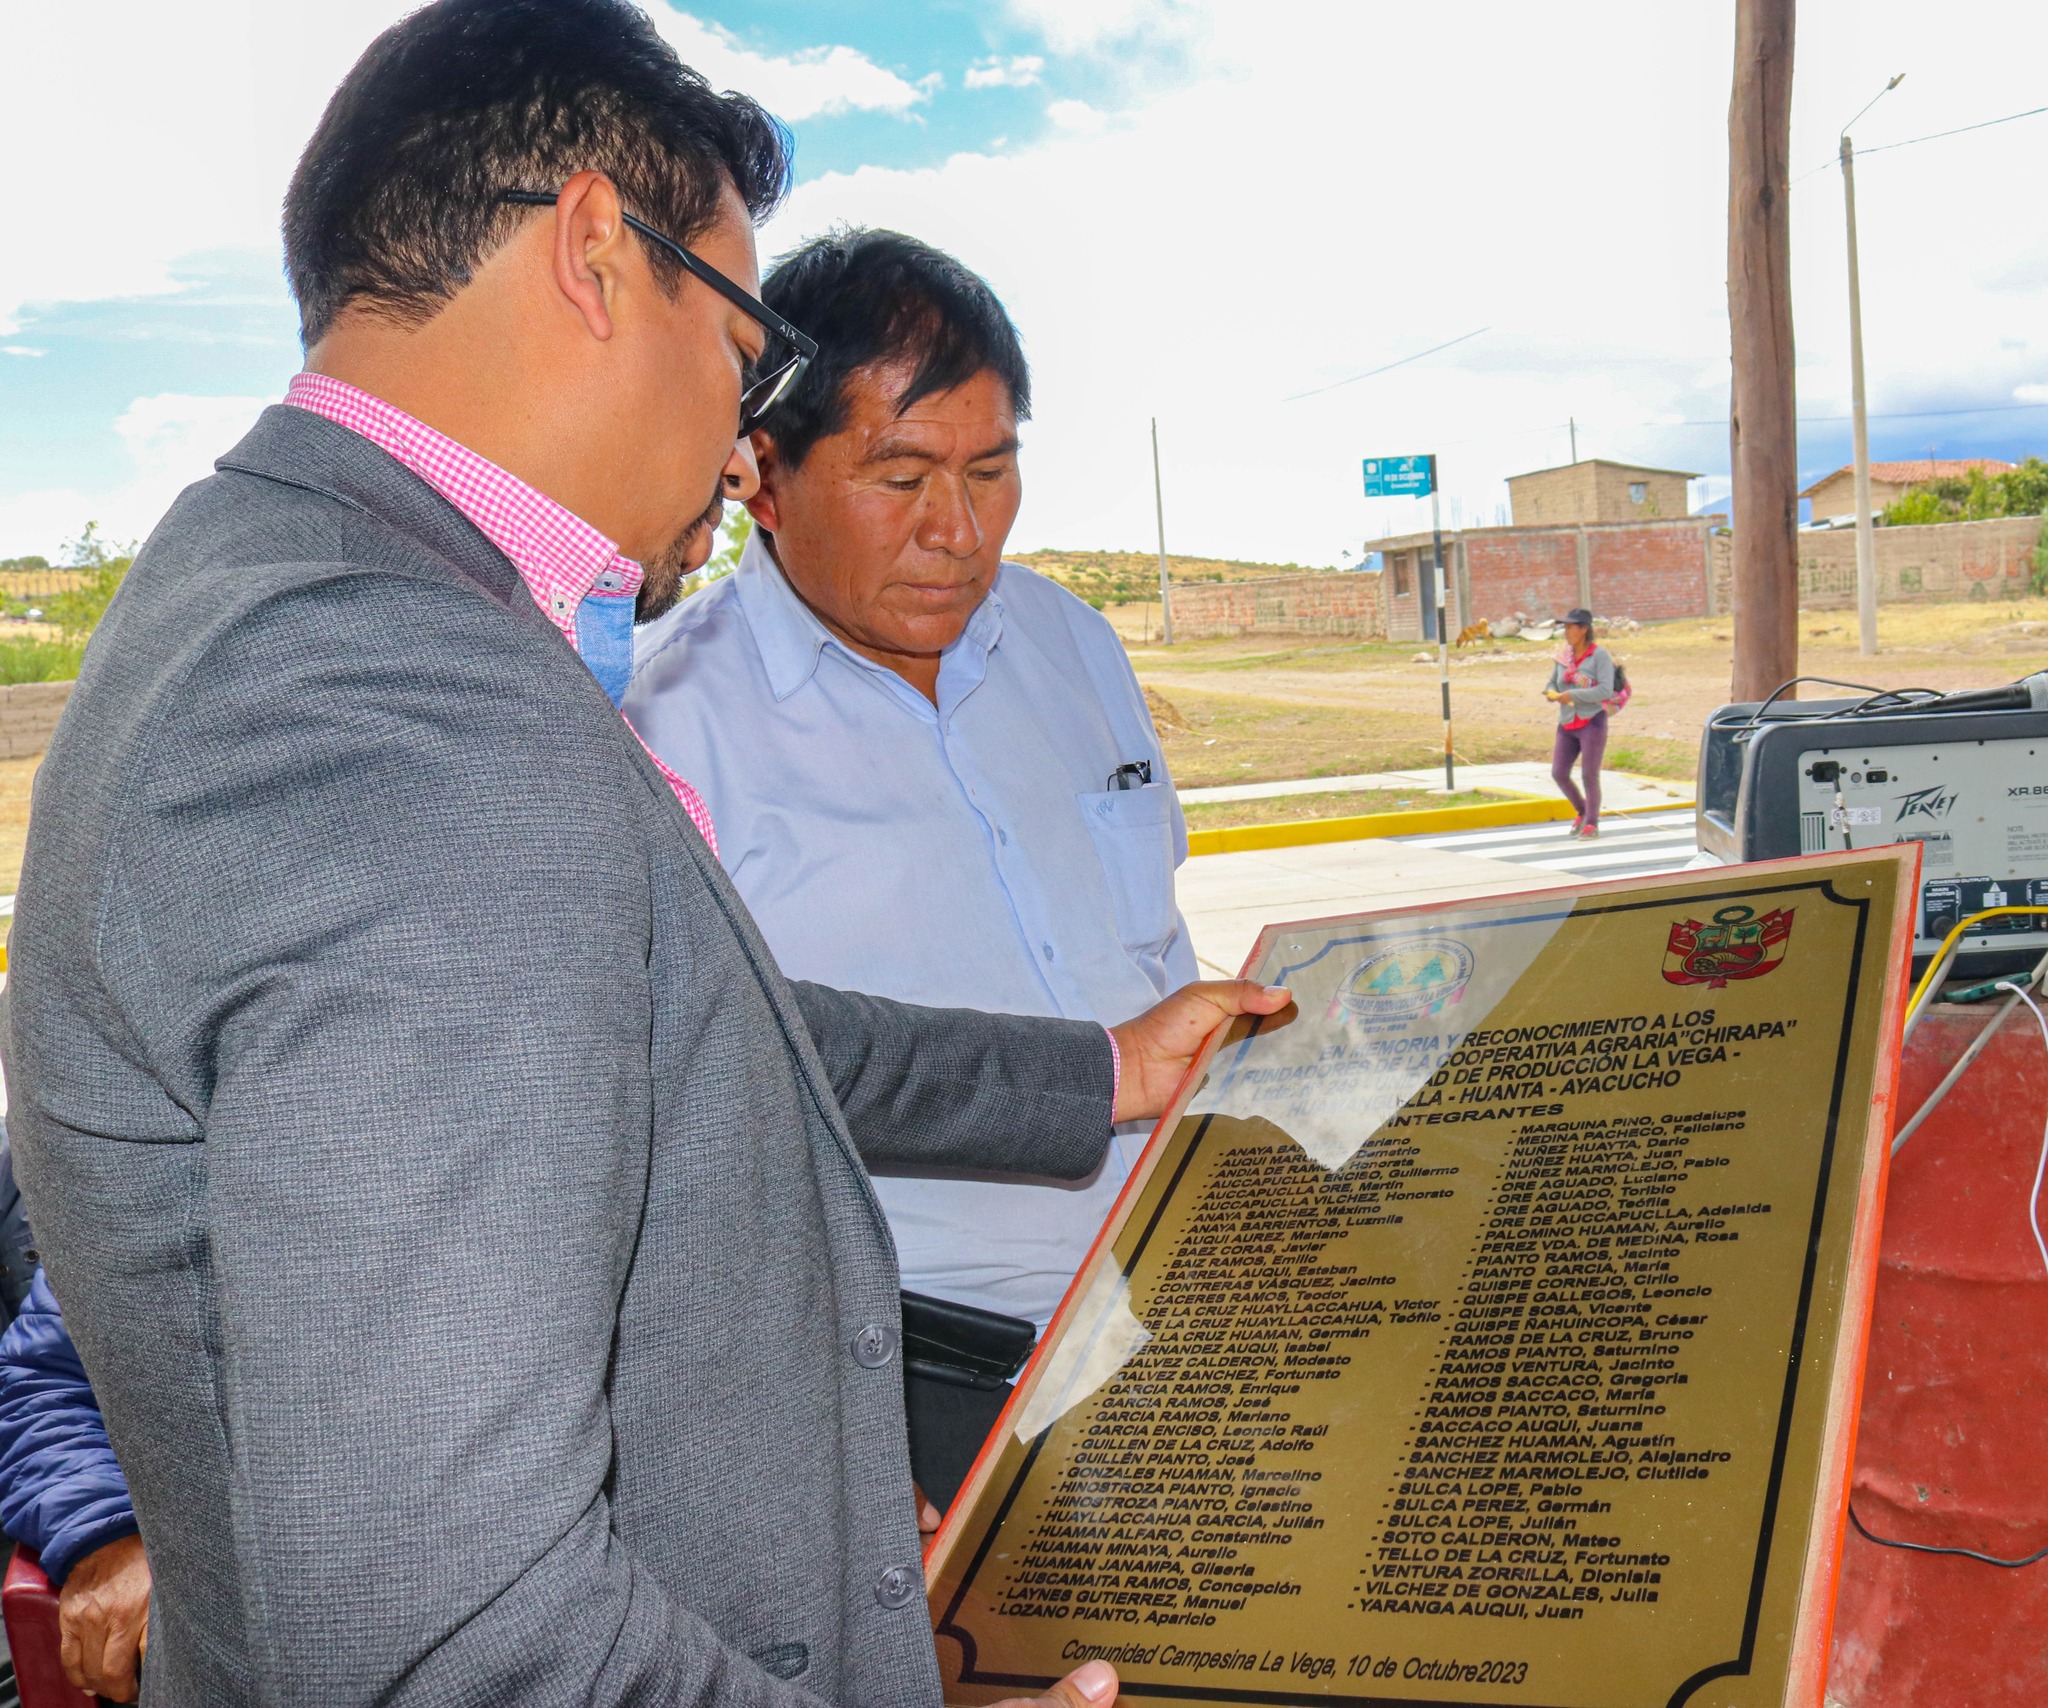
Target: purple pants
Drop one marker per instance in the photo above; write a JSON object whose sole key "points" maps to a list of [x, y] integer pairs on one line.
{"points": [[1588, 745]]}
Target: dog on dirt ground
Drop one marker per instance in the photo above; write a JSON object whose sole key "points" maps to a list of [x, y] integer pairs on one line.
{"points": [[1475, 633]]}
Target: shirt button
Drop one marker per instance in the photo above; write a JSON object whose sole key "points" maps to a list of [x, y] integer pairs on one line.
{"points": [[1002, 836], [1047, 947], [896, 1587], [874, 1346]]}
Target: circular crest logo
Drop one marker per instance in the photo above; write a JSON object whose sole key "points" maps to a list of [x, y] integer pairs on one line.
{"points": [[1406, 979]]}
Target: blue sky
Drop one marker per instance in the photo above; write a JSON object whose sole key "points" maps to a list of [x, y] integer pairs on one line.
{"points": [[1196, 209]]}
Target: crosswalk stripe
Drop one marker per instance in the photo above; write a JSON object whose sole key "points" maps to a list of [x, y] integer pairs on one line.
{"points": [[1645, 846], [1589, 863], [1660, 825], [1671, 848]]}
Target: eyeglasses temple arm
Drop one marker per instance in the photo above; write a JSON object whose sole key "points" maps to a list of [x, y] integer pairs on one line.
{"points": [[743, 300]]}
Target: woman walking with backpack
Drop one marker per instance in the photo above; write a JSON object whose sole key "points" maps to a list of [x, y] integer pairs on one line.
{"points": [[1585, 684]]}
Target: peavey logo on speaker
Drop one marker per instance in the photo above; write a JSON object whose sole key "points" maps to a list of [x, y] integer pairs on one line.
{"points": [[1738, 945], [1927, 803]]}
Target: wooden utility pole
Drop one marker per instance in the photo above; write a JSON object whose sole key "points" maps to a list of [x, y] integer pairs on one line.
{"points": [[1762, 430]]}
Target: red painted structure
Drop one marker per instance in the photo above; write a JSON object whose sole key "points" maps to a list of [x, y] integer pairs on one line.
{"points": [[1952, 1447]]}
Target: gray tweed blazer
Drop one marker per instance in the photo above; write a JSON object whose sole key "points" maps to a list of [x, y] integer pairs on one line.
{"points": [[463, 1222]]}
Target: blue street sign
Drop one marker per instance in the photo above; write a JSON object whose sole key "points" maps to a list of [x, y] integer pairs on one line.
{"points": [[1398, 477]]}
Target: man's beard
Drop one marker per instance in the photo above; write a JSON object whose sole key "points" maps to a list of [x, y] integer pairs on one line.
{"points": [[661, 576]]}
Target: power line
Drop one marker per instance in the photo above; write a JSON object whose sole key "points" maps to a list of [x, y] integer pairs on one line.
{"points": [[1402, 363], [1936, 136], [1722, 422], [1958, 131]]}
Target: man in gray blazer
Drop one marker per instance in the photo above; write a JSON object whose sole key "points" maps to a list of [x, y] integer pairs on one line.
{"points": [[462, 1221]]}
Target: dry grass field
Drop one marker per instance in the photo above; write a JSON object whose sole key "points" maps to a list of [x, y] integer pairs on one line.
{"points": [[1244, 711], [1238, 711]]}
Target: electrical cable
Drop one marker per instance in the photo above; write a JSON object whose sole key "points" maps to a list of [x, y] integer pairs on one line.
{"points": [[1977, 1044], [1875, 694], [1722, 424], [1918, 1005], [1317, 391], [2034, 1558], [1887, 147], [2041, 1166], [2019, 994], [1899, 694], [1912, 141]]}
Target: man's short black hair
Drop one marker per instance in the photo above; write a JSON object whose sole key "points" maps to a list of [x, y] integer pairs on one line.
{"points": [[392, 203], [870, 297]]}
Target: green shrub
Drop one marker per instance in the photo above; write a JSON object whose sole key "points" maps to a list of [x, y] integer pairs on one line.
{"points": [[1915, 509], [1975, 497], [24, 659], [77, 613]]}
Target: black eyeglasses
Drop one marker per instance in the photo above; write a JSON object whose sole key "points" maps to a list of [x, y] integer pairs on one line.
{"points": [[789, 351]]}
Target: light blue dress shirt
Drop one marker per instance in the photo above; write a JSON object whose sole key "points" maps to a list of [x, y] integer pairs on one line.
{"points": [[965, 854]]}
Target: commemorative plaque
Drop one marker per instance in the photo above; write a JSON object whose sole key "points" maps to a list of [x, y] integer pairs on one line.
{"points": [[1487, 1329]]}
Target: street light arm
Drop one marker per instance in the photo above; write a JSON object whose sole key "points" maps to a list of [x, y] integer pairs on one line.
{"points": [[1873, 101]]}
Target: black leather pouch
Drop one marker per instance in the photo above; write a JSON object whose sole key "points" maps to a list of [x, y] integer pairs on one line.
{"points": [[962, 1344]]}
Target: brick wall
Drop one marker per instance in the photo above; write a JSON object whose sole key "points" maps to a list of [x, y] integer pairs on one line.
{"points": [[1649, 572], [1552, 495], [1596, 491], [28, 713], [1534, 571], [1664, 496], [1949, 560], [1331, 603]]}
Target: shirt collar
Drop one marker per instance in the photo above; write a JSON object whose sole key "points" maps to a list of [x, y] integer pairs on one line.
{"points": [[791, 640], [559, 556]]}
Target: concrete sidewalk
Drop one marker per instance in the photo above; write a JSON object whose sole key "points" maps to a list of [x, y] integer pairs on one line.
{"points": [[1620, 791], [1227, 899]]}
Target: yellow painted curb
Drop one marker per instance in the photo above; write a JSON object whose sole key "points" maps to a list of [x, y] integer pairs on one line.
{"points": [[1242, 838]]}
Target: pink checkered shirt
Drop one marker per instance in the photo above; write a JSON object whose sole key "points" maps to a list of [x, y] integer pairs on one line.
{"points": [[559, 556]]}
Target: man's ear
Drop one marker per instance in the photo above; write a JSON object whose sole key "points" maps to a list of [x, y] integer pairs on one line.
{"points": [[590, 240], [765, 506]]}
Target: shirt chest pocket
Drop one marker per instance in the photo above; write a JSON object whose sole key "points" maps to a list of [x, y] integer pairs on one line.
{"points": [[1133, 834]]}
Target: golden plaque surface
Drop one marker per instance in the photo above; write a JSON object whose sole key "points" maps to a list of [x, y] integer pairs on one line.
{"points": [[1489, 1329]]}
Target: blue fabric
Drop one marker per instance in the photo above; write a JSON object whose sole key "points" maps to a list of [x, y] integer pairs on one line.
{"points": [[61, 1490], [17, 1246], [604, 639], [967, 853]]}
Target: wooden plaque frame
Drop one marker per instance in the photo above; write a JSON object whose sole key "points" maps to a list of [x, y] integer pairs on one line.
{"points": [[1856, 1134]]}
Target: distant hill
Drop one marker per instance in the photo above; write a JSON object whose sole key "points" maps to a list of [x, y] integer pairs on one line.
{"points": [[1126, 578]]}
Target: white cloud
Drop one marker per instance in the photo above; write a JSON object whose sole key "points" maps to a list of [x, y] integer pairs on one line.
{"points": [[21, 350], [170, 440], [204, 107], [1301, 193], [1282, 220], [793, 87], [1080, 26], [175, 437], [1018, 72], [1076, 116]]}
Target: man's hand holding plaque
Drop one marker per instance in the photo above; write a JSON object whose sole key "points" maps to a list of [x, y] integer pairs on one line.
{"points": [[1090, 1686], [1155, 1047]]}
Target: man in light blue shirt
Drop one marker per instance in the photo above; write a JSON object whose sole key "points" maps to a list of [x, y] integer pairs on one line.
{"points": [[932, 773]]}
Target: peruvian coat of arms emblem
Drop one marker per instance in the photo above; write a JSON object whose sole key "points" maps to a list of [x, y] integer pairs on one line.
{"points": [[1736, 945]]}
